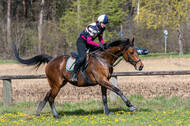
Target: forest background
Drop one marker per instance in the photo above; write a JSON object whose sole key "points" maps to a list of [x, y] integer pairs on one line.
{"points": [[53, 26]]}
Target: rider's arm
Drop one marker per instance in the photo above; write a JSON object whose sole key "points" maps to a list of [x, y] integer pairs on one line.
{"points": [[89, 41], [101, 39]]}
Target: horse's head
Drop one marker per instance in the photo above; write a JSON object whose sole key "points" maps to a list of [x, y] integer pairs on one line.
{"points": [[125, 48], [131, 56]]}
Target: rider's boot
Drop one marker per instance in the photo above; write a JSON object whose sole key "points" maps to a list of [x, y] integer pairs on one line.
{"points": [[76, 68], [75, 71]]}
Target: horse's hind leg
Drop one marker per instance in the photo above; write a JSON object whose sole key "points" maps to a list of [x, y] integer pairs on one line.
{"points": [[104, 99], [43, 103], [54, 91], [50, 96]]}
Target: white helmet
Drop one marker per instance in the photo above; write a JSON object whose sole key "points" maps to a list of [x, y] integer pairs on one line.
{"points": [[103, 19]]}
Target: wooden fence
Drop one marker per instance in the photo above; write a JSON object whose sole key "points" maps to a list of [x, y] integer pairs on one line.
{"points": [[7, 85]]}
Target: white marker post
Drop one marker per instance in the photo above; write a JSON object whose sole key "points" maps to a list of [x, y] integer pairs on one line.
{"points": [[165, 36]]}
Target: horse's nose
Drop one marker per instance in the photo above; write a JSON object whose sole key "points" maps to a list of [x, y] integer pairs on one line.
{"points": [[140, 68]]}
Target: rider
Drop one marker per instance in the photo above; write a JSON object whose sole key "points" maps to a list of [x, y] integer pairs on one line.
{"points": [[86, 38]]}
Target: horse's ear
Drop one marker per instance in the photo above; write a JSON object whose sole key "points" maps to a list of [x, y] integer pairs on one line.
{"points": [[133, 40]]}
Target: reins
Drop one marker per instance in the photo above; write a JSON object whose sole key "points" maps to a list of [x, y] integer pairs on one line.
{"points": [[115, 56], [115, 64], [110, 54]]}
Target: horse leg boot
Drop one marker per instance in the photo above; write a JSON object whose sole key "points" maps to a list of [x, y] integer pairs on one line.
{"points": [[53, 109], [127, 102], [104, 98], [42, 104]]}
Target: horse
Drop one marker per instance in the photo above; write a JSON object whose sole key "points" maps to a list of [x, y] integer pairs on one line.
{"points": [[99, 71]]}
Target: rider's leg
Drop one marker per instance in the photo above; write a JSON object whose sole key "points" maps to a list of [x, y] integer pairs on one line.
{"points": [[81, 46], [76, 68]]}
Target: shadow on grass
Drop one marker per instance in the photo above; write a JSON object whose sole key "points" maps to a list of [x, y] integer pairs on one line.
{"points": [[96, 112]]}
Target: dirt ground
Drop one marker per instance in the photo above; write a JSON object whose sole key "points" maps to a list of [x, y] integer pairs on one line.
{"points": [[149, 86]]}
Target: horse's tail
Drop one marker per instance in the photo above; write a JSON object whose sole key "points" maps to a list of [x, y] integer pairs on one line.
{"points": [[36, 60]]}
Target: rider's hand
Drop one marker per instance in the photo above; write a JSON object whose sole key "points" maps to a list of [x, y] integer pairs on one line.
{"points": [[101, 46], [105, 45]]}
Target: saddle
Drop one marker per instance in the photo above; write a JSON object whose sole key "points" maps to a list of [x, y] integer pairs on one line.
{"points": [[71, 63], [74, 57]]}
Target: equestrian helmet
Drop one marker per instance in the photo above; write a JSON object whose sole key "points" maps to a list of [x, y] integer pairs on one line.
{"points": [[103, 19]]}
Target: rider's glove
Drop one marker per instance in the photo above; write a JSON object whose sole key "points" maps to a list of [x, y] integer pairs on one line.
{"points": [[101, 46], [105, 45]]}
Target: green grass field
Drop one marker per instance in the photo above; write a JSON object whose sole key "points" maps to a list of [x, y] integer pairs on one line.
{"points": [[159, 111], [6, 61], [163, 55]]}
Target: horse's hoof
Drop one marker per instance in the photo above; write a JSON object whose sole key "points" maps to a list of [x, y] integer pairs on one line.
{"points": [[111, 113], [56, 116], [37, 115], [133, 109]]}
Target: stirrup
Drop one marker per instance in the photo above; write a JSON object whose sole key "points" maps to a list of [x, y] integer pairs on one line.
{"points": [[74, 78]]}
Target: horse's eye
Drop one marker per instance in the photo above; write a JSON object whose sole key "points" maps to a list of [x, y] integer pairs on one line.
{"points": [[131, 53]]}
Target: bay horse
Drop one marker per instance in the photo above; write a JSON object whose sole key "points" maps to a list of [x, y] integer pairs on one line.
{"points": [[99, 70]]}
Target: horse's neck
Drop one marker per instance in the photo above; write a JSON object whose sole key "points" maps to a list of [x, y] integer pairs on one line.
{"points": [[110, 55]]}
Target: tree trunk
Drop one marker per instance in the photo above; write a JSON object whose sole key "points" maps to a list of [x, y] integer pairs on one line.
{"points": [[25, 8], [4, 5], [8, 28], [138, 8], [4, 39], [180, 40], [78, 15], [40, 26]]}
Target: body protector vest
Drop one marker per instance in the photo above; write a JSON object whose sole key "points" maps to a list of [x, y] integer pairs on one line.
{"points": [[94, 30]]}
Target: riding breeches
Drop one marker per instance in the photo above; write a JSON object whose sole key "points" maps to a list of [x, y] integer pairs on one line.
{"points": [[81, 48]]}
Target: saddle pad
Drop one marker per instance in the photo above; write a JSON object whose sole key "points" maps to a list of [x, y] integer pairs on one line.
{"points": [[70, 64]]}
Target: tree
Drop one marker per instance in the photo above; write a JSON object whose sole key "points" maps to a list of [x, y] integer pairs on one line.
{"points": [[24, 8], [40, 26], [117, 16], [84, 12], [8, 26], [163, 13]]}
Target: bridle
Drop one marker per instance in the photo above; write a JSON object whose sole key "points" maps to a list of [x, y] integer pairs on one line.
{"points": [[130, 60]]}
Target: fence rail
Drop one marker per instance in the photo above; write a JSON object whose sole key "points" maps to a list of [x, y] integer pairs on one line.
{"points": [[7, 77], [7, 85], [146, 73]]}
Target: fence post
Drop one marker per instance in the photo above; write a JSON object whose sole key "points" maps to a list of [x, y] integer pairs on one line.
{"points": [[113, 95], [7, 92]]}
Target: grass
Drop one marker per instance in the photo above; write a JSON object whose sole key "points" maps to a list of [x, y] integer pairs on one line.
{"points": [[158, 111], [163, 55], [7, 61]]}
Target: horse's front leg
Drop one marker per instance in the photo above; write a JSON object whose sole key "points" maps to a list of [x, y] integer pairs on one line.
{"points": [[105, 83], [127, 102]]}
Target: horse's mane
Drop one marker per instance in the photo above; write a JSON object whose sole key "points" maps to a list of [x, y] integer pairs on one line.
{"points": [[116, 43], [119, 42]]}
